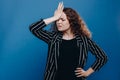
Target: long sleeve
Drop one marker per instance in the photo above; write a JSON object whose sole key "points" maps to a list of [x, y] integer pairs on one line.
{"points": [[101, 57], [37, 30]]}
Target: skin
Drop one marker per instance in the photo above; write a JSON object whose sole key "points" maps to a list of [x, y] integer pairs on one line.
{"points": [[63, 23], [64, 26]]}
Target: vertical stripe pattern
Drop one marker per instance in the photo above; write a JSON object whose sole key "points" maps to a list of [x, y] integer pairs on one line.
{"points": [[54, 39]]}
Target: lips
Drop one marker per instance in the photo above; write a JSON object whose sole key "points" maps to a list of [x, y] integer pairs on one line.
{"points": [[59, 26]]}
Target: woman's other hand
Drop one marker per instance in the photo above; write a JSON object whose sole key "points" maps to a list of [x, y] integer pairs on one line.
{"points": [[79, 72]]}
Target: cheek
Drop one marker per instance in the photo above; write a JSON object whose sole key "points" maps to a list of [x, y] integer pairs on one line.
{"points": [[67, 27], [67, 24]]}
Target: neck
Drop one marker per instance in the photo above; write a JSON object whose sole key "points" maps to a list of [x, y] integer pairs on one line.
{"points": [[68, 35]]}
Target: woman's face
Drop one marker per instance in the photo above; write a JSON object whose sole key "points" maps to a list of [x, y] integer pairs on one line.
{"points": [[63, 23]]}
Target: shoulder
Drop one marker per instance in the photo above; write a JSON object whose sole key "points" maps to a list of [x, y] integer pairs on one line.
{"points": [[84, 38]]}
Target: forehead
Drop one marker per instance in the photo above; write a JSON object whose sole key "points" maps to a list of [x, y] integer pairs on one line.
{"points": [[63, 15]]}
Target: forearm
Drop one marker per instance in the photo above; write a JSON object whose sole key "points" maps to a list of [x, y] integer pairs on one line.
{"points": [[89, 71], [39, 24], [38, 31], [101, 57], [49, 20]]}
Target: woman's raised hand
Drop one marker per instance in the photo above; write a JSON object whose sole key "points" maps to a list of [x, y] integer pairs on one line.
{"points": [[58, 12]]}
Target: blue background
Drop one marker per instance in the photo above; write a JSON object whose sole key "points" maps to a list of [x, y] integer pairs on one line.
{"points": [[23, 56]]}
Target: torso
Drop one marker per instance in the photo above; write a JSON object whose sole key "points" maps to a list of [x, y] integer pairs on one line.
{"points": [[68, 60]]}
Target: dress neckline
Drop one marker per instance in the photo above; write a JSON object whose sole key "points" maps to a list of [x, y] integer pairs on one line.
{"points": [[68, 39]]}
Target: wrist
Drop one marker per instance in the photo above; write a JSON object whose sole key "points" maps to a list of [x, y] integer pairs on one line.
{"points": [[89, 71], [50, 20], [55, 18]]}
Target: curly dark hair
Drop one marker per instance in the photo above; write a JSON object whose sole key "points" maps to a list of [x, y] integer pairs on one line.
{"points": [[76, 23]]}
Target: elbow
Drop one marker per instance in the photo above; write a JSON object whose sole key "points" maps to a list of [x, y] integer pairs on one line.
{"points": [[105, 59], [32, 28]]}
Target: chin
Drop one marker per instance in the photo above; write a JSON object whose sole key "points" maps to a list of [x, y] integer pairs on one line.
{"points": [[60, 30]]}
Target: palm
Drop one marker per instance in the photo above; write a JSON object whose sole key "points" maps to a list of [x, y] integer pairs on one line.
{"points": [[59, 10]]}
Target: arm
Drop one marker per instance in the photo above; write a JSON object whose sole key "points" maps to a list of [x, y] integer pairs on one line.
{"points": [[37, 28], [101, 59]]}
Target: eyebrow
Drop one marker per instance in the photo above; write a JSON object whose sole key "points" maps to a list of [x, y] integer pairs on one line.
{"points": [[62, 18]]}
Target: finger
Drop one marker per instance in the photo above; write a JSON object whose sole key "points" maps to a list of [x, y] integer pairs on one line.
{"points": [[61, 6], [77, 73], [58, 5], [78, 70]]}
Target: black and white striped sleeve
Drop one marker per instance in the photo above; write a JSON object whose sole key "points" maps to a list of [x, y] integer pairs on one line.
{"points": [[37, 30], [101, 57]]}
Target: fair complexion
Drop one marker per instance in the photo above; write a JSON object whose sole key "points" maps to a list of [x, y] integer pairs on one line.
{"points": [[79, 72], [63, 23], [57, 14], [64, 26]]}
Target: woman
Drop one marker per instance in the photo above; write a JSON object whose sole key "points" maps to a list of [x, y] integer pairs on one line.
{"points": [[69, 43]]}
